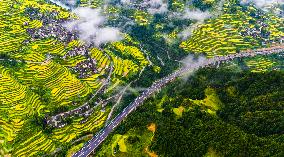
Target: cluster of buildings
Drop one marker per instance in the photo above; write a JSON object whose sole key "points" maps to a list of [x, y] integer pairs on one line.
{"points": [[86, 68], [59, 120], [54, 30], [257, 32], [86, 110], [76, 51], [52, 27]]}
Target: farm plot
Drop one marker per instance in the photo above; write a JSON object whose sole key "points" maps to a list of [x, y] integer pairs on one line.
{"points": [[46, 80], [233, 32], [17, 103]]}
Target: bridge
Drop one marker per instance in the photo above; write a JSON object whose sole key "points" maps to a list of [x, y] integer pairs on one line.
{"points": [[92, 144]]}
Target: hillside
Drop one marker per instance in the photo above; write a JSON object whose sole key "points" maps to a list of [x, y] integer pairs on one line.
{"points": [[47, 70], [60, 86], [220, 111]]}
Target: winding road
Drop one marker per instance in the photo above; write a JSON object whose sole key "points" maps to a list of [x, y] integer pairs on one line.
{"points": [[91, 145]]}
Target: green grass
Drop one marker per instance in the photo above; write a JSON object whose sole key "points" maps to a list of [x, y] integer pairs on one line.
{"points": [[178, 111], [119, 145], [211, 103], [74, 149], [159, 105]]}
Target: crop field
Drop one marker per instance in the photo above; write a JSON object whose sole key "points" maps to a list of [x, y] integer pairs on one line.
{"points": [[17, 102], [235, 31], [260, 64], [57, 79], [44, 80], [37, 141], [45, 75]]}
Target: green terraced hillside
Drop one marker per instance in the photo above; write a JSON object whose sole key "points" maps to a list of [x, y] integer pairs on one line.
{"points": [[238, 28], [57, 91], [42, 75]]}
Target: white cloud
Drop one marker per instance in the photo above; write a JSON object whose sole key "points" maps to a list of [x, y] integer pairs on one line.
{"points": [[70, 2], [90, 26], [196, 15], [262, 3], [125, 2], [190, 59], [107, 34], [152, 6], [191, 62], [272, 6], [155, 6], [187, 32]]}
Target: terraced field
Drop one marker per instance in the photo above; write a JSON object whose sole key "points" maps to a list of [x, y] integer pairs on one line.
{"points": [[260, 64], [57, 79], [239, 28], [39, 77], [41, 142], [243, 28], [45, 74], [17, 103]]}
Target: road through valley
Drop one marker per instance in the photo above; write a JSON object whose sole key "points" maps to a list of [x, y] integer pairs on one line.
{"points": [[91, 145]]}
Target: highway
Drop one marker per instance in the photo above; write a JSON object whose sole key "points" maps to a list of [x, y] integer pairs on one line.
{"points": [[91, 145]]}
